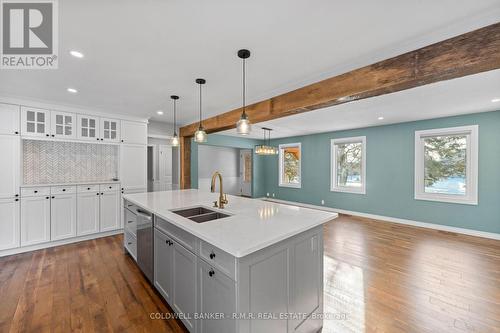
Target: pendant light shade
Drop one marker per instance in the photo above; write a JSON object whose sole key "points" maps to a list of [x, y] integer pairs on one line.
{"points": [[243, 126], [200, 135], [175, 138], [266, 148]]}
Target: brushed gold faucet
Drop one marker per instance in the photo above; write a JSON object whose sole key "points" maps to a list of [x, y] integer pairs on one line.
{"points": [[222, 197]]}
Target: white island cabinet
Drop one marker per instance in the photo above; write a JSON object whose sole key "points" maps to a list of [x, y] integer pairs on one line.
{"points": [[258, 270]]}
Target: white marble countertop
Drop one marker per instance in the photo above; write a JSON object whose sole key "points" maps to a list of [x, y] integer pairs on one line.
{"points": [[73, 184], [254, 224]]}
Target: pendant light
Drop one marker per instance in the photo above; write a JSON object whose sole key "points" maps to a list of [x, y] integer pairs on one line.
{"points": [[266, 148], [200, 135], [175, 139], [243, 126]]}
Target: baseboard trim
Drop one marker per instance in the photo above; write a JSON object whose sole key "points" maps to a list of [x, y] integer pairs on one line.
{"points": [[18, 250], [470, 232]]}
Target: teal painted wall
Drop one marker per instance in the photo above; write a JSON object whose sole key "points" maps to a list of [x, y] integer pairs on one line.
{"points": [[390, 174], [258, 178]]}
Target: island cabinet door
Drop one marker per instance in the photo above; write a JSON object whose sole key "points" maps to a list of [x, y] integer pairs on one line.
{"points": [[184, 288], [163, 265], [216, 294]]}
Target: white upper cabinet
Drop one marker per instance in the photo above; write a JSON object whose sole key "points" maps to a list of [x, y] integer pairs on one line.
{"points": [[9, 223], [10, 168], [9, 119], [35, 122], [110, 130], [63, 125], [133, 167], [88, 128], [134, 132]]}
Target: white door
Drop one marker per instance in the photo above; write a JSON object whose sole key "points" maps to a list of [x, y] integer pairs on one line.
{"points": [[184, 295], [109, 211], [87, 213], [133, 167], [165, 164], [110, 130], [35, 220], [9, 223], [10, 168], [9, 119], [88, 128], [134, 132], [35, 122], [246, 172], [63, 124], [63, 216], [163, 264]]}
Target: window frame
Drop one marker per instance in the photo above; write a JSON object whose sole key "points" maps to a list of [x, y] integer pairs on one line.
{"points": [[472, 163], [334, 187], [280, 161]]}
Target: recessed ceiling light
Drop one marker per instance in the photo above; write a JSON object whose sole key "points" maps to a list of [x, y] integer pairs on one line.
{"points": [[160, 112], [495, 100], [380, 118], [72, 90], [76, 54]]}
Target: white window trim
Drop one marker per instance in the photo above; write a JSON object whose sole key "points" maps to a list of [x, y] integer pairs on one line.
{"points": [[471, 197], [333, 165], [281, 184]]}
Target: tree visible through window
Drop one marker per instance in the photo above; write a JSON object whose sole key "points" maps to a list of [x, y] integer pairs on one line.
{"points": [[348, 165], [290, 159]]}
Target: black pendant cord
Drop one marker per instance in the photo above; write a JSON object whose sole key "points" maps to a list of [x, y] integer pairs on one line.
{"points": [[175, 126], [200, 108], [244, 89]]}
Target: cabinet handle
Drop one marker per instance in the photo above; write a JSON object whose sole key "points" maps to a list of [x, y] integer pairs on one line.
{"points": [[97, 193], [211, 273], [53, 197], [47, 197], [130, 221], [47, 135], [16, 132], [64, 190], [35, 191], [17, 200], [97, 139], [16, 195], [169, 242], [53, 135], [212, 255], [102, 193]]}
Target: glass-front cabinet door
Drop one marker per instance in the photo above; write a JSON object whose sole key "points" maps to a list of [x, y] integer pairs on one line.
{"points": [[88, 128], [35, 122], [110, 130], [63, 125]]}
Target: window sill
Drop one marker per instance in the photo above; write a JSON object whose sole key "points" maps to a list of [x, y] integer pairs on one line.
{"points": [[348, 190], [446, 199], [291, 185]]}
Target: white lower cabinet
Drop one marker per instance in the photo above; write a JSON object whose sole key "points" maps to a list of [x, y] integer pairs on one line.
{"points": [[163, 263], [63, 216], [35, 220], [87, 213], [184, 285], [9, 223], [109, 211]]}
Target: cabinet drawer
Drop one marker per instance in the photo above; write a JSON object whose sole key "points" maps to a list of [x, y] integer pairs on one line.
{"points": [[87, 188], [110, 187], [35, 191], [130, 243], [218, 258], [130, 222], [186, 239], [63, 189], [131, 206]]}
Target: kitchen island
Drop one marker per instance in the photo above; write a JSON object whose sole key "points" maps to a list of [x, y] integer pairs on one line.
{"points": [[254, 266]]}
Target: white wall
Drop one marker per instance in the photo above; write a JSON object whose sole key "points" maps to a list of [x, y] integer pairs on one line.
{"points": [[223, 159]]}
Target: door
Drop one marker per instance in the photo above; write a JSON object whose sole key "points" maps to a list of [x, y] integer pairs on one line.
{"points": [[163, 264], [9, 119], [134, 132], [35, 122], [184, 289], [9, 223], [87, 213], [62, 216], [63, 124], [246, 172], [10, 168], [35, 220], [133, 167], [109, 207], [88, 128], [216, 294], [165, 164], [110, 130]]}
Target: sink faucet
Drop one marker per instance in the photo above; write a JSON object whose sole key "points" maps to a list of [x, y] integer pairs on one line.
{"points": [[222, 197]]}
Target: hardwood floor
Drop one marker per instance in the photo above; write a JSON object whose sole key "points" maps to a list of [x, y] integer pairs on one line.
{"points": [[379, 277]]}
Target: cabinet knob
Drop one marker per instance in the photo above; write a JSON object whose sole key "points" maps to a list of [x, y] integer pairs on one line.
{"points": [[97, 139], [97, 193], [111, 187], [47, 197], [53, 135], [88, 188], [53, 197], [64, 190], [47, 135], [16, 132], [212, 255], [122, 140], [16, 195], [102, 193], [211, 273], [17, 200], [35, 191]]}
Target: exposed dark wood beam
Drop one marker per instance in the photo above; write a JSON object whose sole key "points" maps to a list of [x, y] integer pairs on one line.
{"points": [[185, 162]]}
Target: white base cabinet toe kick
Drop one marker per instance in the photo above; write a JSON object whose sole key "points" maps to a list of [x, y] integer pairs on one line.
{"points": [[270, 286]]}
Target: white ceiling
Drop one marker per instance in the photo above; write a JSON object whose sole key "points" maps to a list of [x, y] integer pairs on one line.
{"points": [[470, 94], [137, 53]]}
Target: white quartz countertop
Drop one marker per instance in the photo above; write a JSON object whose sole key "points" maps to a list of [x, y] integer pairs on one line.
{"points": [[254, 224]]}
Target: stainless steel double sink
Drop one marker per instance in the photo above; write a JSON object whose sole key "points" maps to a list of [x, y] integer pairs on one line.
{"points": [[200, 214]]}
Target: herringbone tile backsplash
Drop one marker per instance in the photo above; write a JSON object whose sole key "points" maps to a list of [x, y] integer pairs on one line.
{"points": [[51, 162]]}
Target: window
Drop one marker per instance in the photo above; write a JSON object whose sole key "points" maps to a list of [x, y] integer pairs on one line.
{"points": [[290, 160], [446, 165], [348, 165]]}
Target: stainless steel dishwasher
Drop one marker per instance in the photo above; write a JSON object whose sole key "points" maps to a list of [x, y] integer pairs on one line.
{"points": [[145, 239]]}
